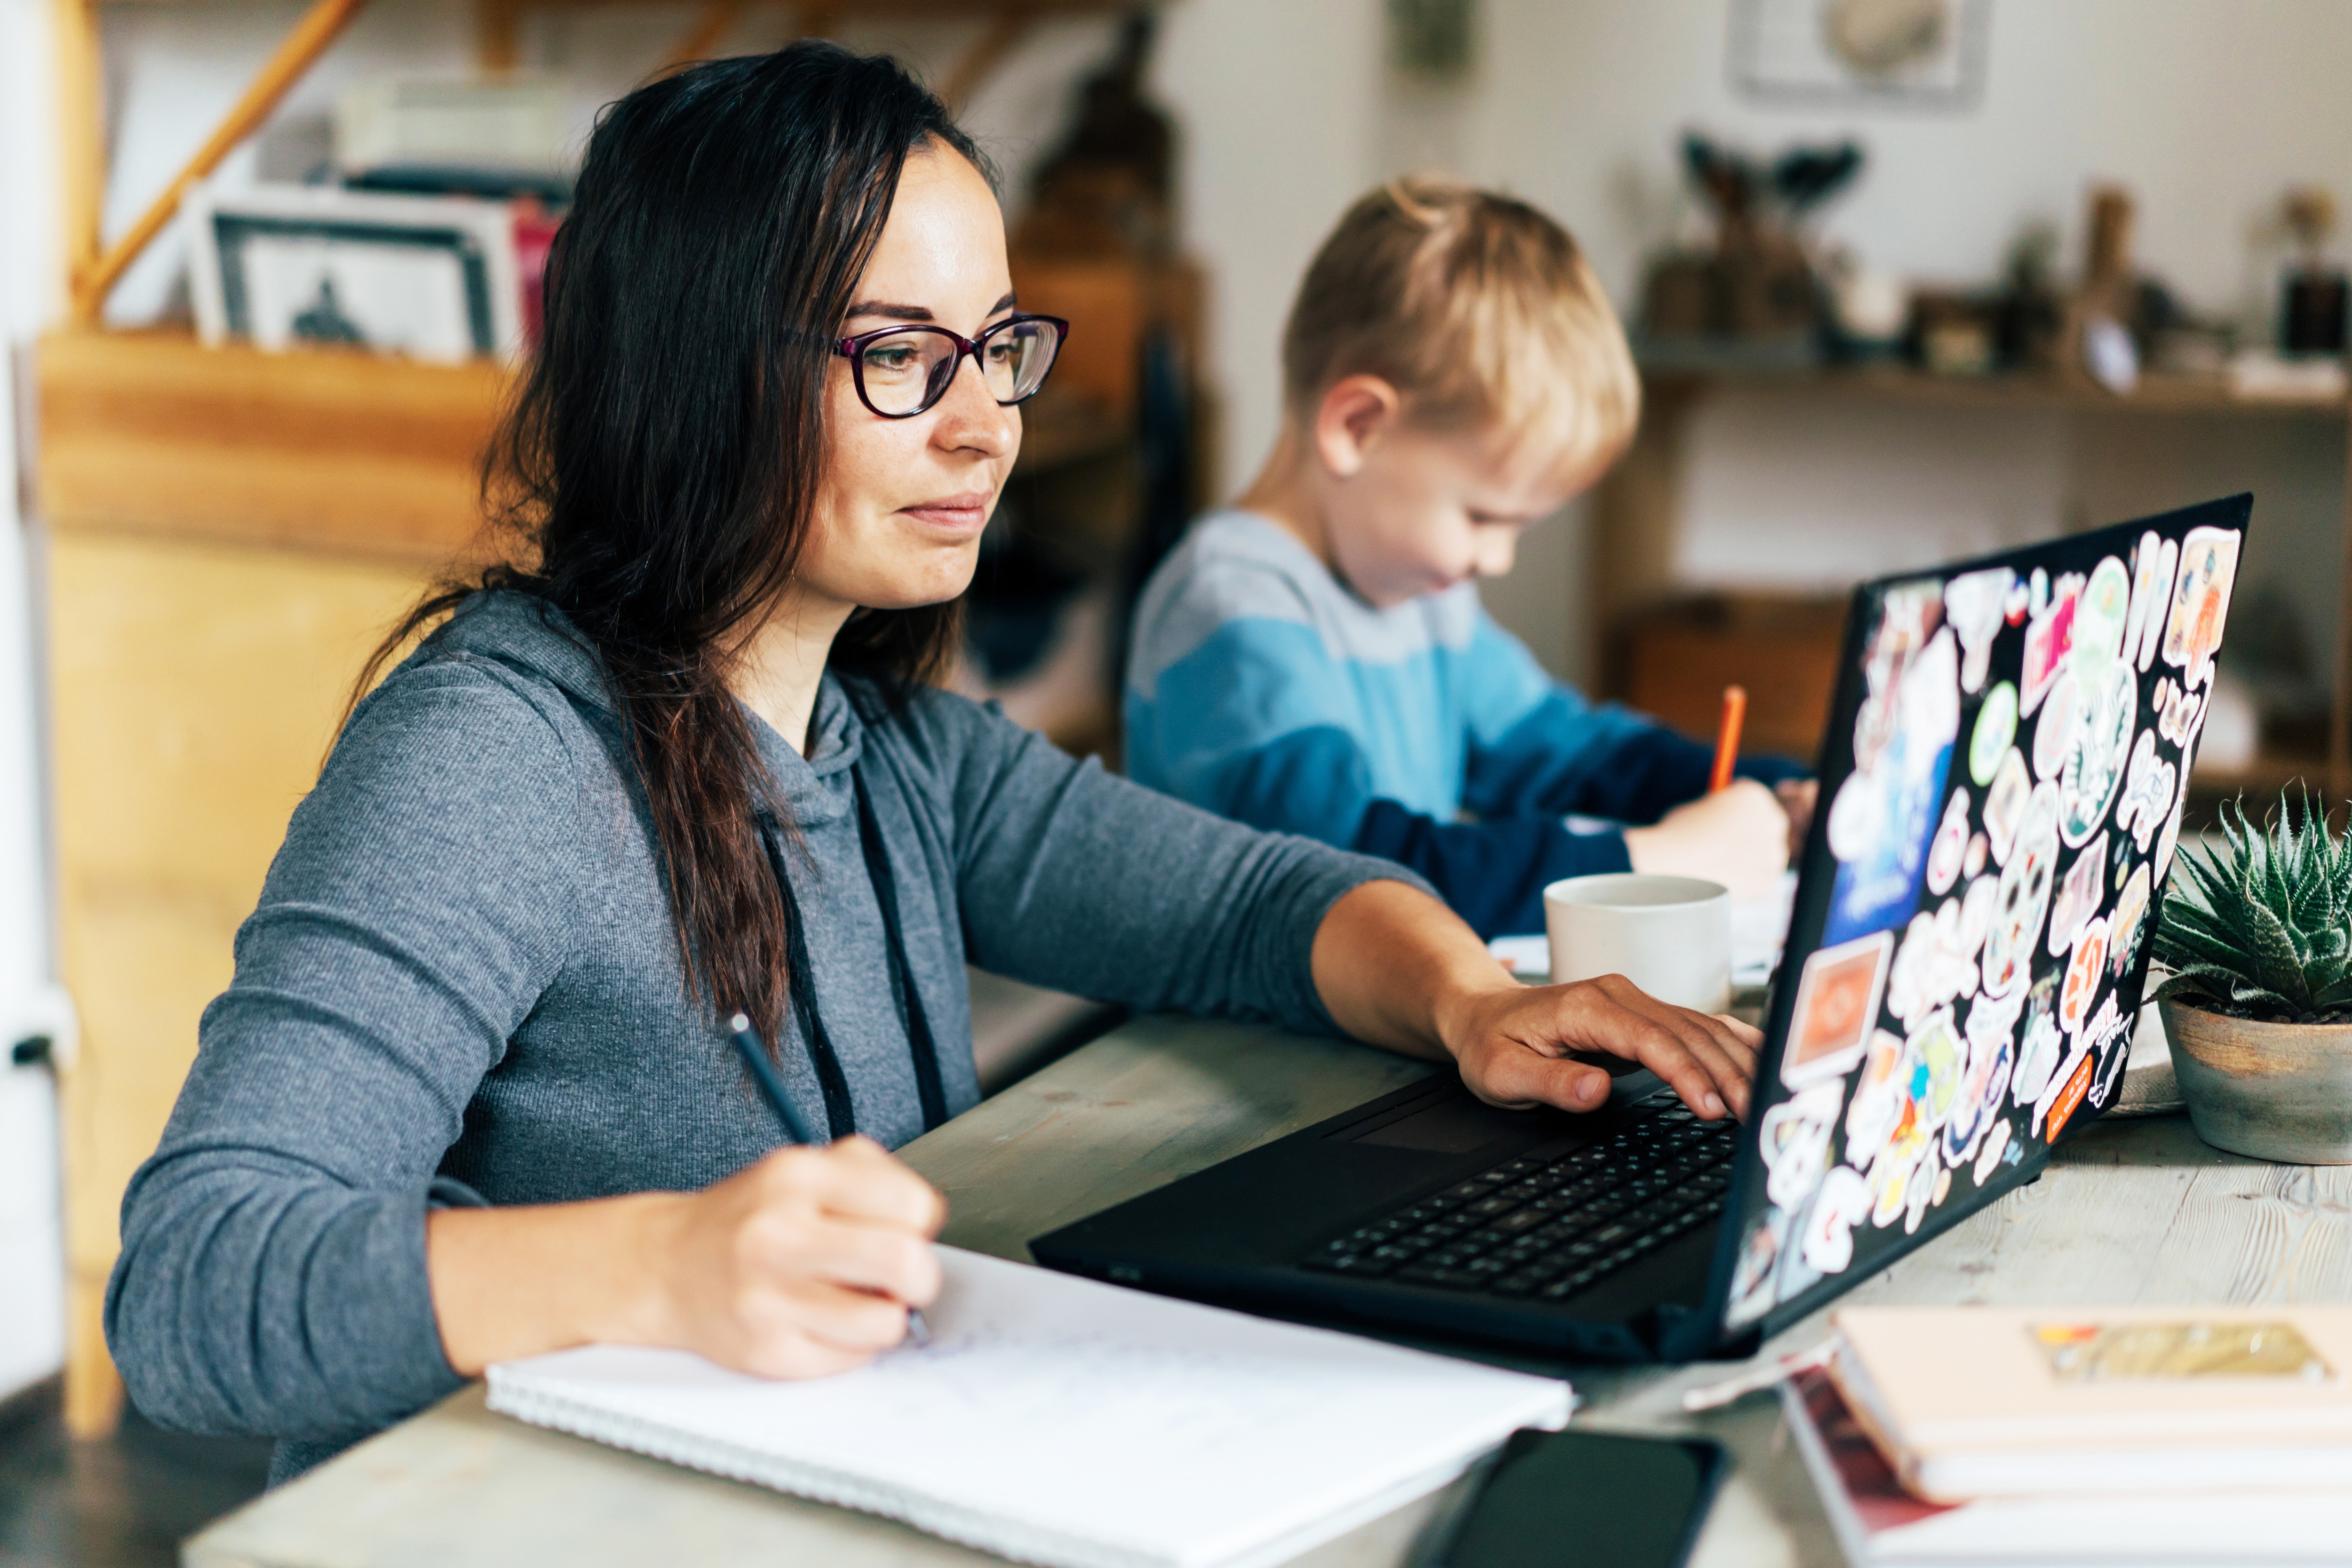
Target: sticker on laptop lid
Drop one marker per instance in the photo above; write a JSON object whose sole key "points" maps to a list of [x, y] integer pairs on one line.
{"points": [[1975, 603], [1837, 1005], [2004, 805], [2150, 583], [2121, 1353], [2081, 891], [1996, 727], [2021, 898], [2201, 602], [2054, 732], [2094, 759], [1826, 1242], [2147, 794]]}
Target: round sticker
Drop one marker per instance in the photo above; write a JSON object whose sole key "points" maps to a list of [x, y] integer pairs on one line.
{"points": [[1996, 727], [2083, 976], [2022, 897], [1949, 849], [2094, 764], [2054, 732], [2126, 926], [2100, 614]]}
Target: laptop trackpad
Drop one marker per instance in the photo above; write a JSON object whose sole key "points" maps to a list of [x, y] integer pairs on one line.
{"points": [[1454, 1125], [1460, 1122]]}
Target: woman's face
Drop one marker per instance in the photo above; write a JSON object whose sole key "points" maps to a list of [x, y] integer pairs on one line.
{"points": [[899, 514]]}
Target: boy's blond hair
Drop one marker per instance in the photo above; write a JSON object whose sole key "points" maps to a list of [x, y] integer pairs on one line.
{"points": [[1479, 309]]}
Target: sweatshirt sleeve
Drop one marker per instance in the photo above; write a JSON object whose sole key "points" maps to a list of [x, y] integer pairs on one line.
{"points": [[1072, 878], [1538, 748], [272, 1276]]}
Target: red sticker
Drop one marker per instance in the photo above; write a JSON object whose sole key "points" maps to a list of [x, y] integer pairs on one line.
{"points": [[2070, 1096]]}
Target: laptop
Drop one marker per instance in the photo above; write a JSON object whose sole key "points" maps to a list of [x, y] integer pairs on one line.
{"points": [[2002, 785]]}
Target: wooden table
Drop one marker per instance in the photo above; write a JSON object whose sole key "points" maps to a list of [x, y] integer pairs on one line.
{"points": [[2136, 1211]]}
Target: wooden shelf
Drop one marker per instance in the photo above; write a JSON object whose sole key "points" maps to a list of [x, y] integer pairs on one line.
{"points": [[2157, 393], [351, 453]]}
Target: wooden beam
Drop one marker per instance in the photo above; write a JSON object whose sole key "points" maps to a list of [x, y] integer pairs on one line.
{"points": [[987, 52], [82, 134], [702, 40], [319, 28]]}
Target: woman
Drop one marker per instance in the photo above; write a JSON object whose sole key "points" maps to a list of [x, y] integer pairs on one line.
{"points": [[470, 1096]]}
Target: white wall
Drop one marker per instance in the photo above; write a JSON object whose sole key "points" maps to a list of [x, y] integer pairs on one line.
{"points": [[32, 1261]]}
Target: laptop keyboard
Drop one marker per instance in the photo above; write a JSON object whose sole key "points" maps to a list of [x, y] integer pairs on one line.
{"points": [[1551, 1226]]}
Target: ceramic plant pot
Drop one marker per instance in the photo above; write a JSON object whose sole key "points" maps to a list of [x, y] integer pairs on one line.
{"points": [[2274, 1091]]}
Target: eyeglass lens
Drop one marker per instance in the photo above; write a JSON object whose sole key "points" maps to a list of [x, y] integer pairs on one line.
{"points": [[906, 373]]}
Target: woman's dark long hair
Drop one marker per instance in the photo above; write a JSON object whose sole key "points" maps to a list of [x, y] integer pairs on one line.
{"points": [[656, 473]]}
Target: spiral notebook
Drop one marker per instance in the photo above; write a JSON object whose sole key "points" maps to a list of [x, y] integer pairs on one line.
{"points": [[1064, 1422]]}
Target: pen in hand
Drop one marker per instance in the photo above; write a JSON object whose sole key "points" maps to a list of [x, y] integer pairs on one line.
{"points": [[764, 1072]]}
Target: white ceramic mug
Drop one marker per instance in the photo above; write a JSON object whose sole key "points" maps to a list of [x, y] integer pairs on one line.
{"points": [[1669, 935]]}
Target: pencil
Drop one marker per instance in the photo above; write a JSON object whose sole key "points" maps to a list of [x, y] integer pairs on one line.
{"points": [[771, 1089], [1727, 737]]}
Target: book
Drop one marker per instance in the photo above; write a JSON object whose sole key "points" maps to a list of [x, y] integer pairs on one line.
{"points": [[1879, 1525], [1970, 1401], [1065, 1422]]}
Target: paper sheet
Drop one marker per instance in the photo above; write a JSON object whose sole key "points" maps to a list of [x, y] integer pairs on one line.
{"points": [[1063, 1420]]}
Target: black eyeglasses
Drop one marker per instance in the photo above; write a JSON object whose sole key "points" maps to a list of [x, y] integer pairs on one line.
{"points": [[902, 371]]}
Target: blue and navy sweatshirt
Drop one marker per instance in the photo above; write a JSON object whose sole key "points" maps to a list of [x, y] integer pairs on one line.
{"points": [[1259, 687]]}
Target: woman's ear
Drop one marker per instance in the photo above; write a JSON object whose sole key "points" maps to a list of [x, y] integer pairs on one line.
{"points": [[1354, 413]]}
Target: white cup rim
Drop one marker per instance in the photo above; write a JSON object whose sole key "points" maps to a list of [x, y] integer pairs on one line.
{"points": [[1594, 890]]}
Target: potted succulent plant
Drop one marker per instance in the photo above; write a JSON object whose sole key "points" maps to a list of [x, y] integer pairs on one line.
{"points": [[2257, 933]]}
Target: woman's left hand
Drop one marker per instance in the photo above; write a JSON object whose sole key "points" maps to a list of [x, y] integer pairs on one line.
{"points": [[1514, 1046], [1398, 968]]}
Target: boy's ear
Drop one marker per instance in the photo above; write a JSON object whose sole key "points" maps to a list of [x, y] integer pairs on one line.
{"points": [[1355, 412]]}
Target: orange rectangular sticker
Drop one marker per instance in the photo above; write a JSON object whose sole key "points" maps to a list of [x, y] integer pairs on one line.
{"points": [[2072, 1095]]}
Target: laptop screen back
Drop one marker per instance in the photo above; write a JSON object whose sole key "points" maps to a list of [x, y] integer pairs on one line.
{"points": [[2003, 785]]}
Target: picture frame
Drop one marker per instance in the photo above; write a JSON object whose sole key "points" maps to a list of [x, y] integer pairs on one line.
{"points": [[1918, 54], [287, 266]]}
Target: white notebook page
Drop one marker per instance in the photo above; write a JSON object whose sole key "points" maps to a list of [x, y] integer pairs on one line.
{"points": [[1067, 1422]]}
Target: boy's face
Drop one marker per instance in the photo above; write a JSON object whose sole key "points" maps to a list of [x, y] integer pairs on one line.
{"points": [[1411, 512]]}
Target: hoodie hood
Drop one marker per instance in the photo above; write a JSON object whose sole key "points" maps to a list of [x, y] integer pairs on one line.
{"points": [[539, 642]]}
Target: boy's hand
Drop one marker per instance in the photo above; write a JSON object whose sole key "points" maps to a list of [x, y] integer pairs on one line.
{"points": [[1512, 1044], [1738, 837], [1797, 797]]}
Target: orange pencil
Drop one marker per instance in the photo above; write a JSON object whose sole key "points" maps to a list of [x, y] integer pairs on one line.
{"points": [[1727, 737]]}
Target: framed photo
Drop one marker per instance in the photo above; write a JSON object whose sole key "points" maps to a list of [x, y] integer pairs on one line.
{"points": [[284, 266], [1895, 54]]}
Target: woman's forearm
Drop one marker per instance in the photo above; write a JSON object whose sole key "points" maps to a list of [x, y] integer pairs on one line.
{"points": [[510, 1282], [1388, 959]]}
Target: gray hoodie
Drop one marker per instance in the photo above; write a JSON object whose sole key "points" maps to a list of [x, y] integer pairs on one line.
{"points": [[461, 986]]}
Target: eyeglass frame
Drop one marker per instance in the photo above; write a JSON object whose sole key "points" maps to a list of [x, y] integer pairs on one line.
{"points": [[852, 348]]}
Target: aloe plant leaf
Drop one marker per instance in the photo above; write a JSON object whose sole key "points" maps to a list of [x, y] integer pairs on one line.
{"points": [[2277, 964]]}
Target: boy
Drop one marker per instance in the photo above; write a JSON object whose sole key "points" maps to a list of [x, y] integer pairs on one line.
{"points": [[1316, 660]]}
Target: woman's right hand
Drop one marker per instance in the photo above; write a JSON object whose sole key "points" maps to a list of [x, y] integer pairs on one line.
{"points": [[802, 1264]]}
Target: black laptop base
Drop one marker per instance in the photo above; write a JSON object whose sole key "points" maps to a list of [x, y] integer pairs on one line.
{"points": [[1256, 1230]]}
